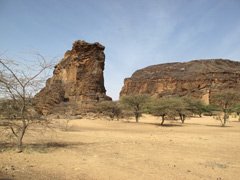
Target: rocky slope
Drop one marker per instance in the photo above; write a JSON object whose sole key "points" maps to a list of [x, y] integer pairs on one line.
{"points": [[199, 79], [77, 79]]}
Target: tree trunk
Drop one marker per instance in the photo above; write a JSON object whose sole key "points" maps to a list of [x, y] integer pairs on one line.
{"points": [[19, 143], [136, 116], [20, 137], [112, 117], [224, 118], [182, 117], [163, 118]]}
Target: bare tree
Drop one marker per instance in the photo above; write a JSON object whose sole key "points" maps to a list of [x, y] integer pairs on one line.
{"points": [[18, 83], [226, 101]]}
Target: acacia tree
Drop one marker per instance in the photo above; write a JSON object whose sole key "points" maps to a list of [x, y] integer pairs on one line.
{"points": [[210, 108], [163, 107], [135, 104], [236, 108], [226, 101], [109, 108], [194, 106], [170, 106], [18, 83], [176, 106], [180, 106]]}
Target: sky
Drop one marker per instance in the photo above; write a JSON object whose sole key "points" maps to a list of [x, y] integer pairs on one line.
{"points": [[135, 33]]}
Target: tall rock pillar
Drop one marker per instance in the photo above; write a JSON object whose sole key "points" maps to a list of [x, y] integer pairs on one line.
{"points": [[77, 79]]}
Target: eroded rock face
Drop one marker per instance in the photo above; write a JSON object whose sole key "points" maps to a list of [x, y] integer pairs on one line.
{"points": [[198, 79], [77, 79]]}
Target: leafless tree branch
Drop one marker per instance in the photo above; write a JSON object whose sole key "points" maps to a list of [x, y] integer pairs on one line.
{"points": [[19, 82]]}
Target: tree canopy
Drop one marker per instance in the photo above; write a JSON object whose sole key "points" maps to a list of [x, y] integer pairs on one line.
{"points": [[110, 108], [176, 106], [135, 103], [226, 101]]}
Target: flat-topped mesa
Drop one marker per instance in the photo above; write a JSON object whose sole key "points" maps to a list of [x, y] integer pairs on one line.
{"points": [[77, 79], [198, 79]]}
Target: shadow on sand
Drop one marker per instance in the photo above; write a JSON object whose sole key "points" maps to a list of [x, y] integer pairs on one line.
{"points": [[42, 147], [166, 125], [219, 126], [155, 124]]}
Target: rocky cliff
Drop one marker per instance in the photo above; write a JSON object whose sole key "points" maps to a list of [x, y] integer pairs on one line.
{"points": [[77, 79], [199, 79]]}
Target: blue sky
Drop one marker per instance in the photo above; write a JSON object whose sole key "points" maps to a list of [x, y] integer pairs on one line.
{"points": [[136, 33]]}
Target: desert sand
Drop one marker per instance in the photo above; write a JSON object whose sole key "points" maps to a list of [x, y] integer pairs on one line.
{"points": [[98, 149]]}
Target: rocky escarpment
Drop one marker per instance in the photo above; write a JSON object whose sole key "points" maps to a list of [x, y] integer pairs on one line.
{"points": [[77, 79], [199, 79]]}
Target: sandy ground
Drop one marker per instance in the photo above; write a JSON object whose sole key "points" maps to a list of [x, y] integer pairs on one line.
{"points": [[123, 150]]}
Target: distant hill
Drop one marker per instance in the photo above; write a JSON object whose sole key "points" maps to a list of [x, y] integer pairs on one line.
{"points": [[198, 78]]}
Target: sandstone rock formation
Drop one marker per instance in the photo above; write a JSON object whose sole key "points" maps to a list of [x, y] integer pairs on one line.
{"points": [[199, 79], [77, 79]]}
